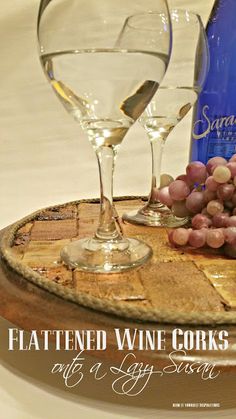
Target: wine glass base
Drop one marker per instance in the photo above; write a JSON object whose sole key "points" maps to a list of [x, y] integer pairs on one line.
{"points": [[157, 219], [92, 255]]}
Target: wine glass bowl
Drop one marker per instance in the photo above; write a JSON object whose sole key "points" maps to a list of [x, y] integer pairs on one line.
{"points": [[105, 88], [175, 97]]}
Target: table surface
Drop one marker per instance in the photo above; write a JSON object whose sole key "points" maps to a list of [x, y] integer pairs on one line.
{"points": [[35, 130]]}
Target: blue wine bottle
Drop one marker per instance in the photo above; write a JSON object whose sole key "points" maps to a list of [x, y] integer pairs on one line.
{"points": [[214, 121]]}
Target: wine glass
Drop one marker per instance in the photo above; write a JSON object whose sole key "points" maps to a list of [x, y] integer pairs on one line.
{"points": [[177, 94], [105, 88]]}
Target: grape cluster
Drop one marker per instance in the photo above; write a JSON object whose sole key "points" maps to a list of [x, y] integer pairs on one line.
{"points": [[206, 194]]}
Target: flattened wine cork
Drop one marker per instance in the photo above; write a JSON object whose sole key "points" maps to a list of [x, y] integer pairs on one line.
{"points": [[180, 287], [54, 230], [120, 287], [222, 275], [44, 254], [61, 213]]}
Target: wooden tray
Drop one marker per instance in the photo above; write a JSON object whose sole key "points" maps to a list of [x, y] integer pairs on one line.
{"points": [[176, 286]]}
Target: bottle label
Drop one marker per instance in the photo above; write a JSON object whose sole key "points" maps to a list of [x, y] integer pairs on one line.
{"points": [[217, 125], [219, 133]]}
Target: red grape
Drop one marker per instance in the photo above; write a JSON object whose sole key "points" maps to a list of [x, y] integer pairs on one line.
{"points": [[211, 184], [225, 191], [178, 190], [170, 236], [232, 167], [220, 219], [165, 180], [180, 236], [179, 209], [221, 174], [213, 207], [230, 235], [196, 172], [197, 238], [200, 221], [231, 222], [164, 196], [215, 161], [185, 179], [195, 202], [209, 195], [215, 238], [233, 158]]}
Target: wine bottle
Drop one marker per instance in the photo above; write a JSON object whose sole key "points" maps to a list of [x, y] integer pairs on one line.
{"points": [[214, 120]]}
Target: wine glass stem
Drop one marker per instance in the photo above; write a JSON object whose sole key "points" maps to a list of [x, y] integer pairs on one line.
{"points": [[107, 229], [157, 147]]}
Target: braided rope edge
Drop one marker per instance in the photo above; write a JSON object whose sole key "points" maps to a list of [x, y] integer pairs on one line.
{"points": [[106, 306]]}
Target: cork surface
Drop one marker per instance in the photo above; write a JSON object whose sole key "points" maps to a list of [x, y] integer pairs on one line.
{"points": [[180, 280]]}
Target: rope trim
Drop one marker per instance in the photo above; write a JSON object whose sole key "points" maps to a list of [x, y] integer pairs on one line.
{"points": [[112, 307]]}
